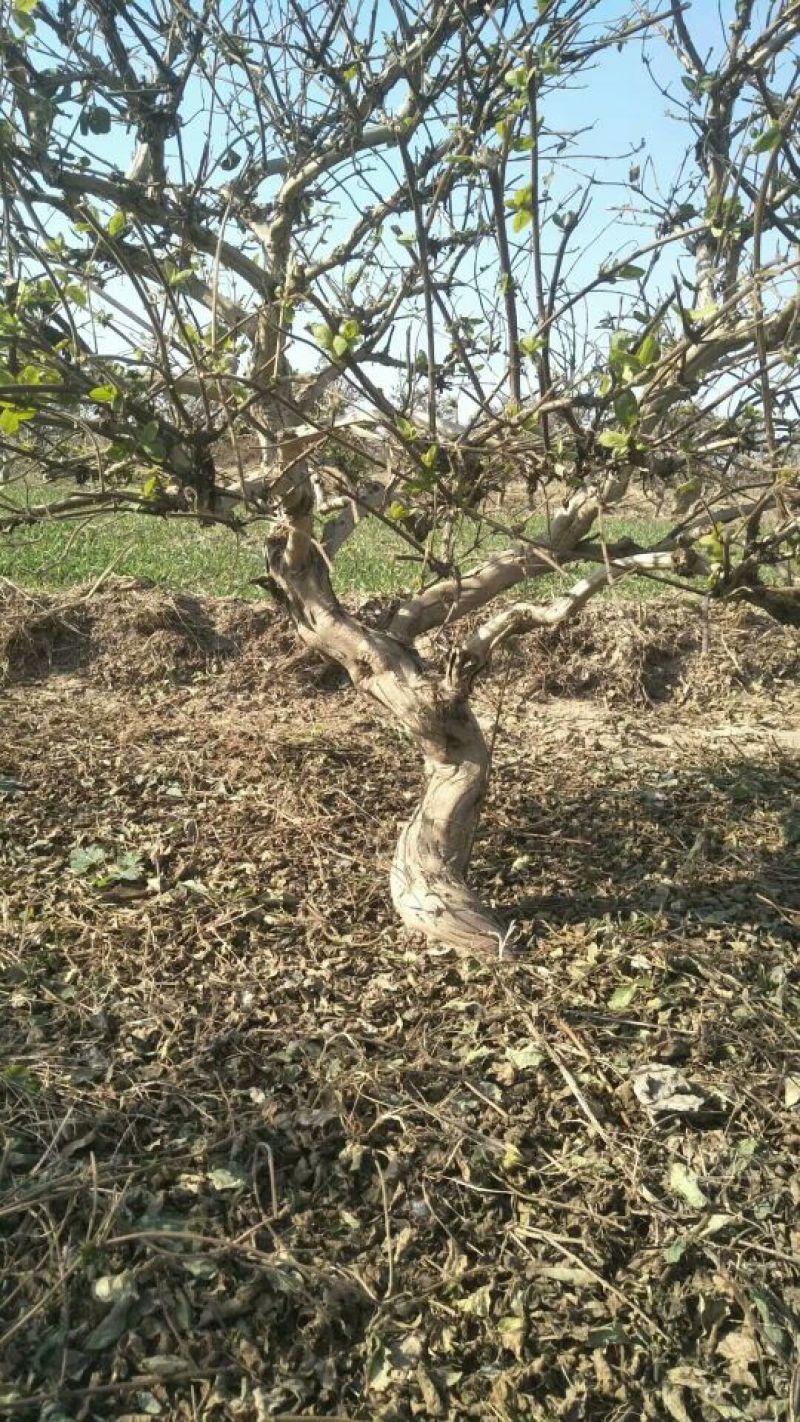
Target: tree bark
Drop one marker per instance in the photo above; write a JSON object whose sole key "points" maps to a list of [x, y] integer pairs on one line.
{"points": [[428, 874]]}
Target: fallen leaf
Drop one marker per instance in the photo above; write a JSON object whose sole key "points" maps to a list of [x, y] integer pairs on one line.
{"points": [[512, 1333], [741, 1350], [477, 1304], [164, 1364], [683, 1182], [109, 1329], [379, 1370], [115, 1288], [623, 996], [663, 1088]]}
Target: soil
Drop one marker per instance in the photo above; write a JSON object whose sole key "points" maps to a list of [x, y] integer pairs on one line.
{"points": [[266, 1156]]}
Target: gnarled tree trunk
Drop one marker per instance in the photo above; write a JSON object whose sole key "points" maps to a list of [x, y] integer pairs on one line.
{"points": [[428, 882]]}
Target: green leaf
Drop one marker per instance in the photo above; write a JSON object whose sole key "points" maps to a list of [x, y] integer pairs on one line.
{"points": [[322, 333], [350, 330], [630, 272], [104, 394], [521, 199], [518, 78], [612, 439], [713, 547], [350, 73], [769, 139], [626, 409], [81, 860], [704, 313], [149, 432], [117, 223], [512, 1156], [650, 349], [26, 7], [396, 511], [688, 490], [620, 344], [522, 219], [180, 277], [152, 487], [77, 294], [406, 428], [340, 345], [127, 868], [430, 456], [530, 345], [11, 419]]}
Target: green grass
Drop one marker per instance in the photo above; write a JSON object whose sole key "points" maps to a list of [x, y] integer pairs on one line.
{"points": [[182, 554]]}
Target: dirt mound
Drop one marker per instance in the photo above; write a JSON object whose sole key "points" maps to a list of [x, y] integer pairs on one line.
{"points": [[131, 633], [662, 650]]}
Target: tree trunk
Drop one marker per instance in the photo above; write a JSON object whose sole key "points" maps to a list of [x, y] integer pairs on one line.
{"points": [[428, 882]]}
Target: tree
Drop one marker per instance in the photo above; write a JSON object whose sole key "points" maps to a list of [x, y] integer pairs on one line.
{"points": [[215, 216]]}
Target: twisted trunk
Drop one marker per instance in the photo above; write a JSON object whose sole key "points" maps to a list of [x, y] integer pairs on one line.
{"points": [[428, 883], [428, 878]]}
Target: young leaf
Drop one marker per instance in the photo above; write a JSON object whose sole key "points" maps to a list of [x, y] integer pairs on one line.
{"points": [[117, 223], [769, 139], [180, 278], [626, 408], [127, 867], [650, 349], [530, 345], [11, 419], [323, 334], [81, 861], [104, 394], [704, 313], [612, 439]]}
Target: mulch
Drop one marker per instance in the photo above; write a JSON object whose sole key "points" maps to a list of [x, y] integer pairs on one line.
{"points": [[267, 1156]]}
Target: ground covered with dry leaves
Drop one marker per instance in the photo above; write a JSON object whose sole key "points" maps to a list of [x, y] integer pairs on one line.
{"points": [[266, 1156]]}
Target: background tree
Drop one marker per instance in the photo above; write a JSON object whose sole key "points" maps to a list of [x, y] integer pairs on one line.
{"points": [[280, 223]]}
